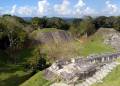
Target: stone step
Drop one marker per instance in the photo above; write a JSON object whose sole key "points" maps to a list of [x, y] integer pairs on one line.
{"points": [[99, 75]]}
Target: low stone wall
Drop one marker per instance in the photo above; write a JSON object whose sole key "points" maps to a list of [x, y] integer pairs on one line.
{"points": [[103, 58]]}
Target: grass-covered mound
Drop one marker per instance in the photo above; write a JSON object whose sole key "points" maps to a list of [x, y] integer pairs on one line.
{"points": [[14, 74], [37, 80], [49, 36]]}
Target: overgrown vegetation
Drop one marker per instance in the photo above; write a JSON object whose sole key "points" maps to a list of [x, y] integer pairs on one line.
{"points": [[83, 27], [61, 51]]}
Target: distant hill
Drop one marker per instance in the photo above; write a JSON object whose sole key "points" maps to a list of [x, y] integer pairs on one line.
{"points": [[69, 20], [27, 18]]}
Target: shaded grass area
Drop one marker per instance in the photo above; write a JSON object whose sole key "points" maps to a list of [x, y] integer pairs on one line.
{"points": [[37, 80], [113, 79], [21, 57], [13, 76], [24, 54], [4, 58]]}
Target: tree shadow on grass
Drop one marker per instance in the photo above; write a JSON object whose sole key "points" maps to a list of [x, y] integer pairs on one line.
{"points": [[14, 80], [9, 70]]}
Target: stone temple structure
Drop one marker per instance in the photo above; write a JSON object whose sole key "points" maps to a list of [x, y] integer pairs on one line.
{"points": [[73, 70]]}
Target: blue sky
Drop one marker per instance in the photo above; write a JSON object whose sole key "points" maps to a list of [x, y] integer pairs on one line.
{"points": [[61, 8]]}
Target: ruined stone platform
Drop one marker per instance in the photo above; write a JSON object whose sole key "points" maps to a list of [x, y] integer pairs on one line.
{"points": [[71, 71]]}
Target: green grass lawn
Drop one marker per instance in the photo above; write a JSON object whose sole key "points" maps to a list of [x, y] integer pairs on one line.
{"points": [[118, 60], [37, 80], [95, 45], [113, 79]]}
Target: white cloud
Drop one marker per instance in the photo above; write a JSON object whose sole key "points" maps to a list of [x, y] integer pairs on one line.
{"points": [[63, 9], [13, 10], [81, 9], [25, 11], [80, 4], [111, 8], [42, 7], [38, 10], [89, 11], [66, 8], [21, 11]]}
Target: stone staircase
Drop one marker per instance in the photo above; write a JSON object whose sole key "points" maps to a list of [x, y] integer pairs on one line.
{"points": [[99, 75], [96, 78]]}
